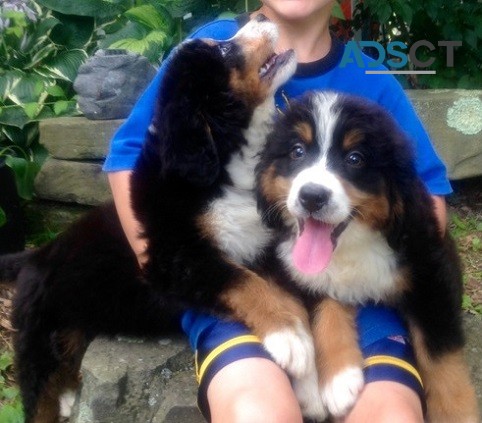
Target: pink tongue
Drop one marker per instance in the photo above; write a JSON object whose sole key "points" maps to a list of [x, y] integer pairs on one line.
{"points": [[313, 248]]}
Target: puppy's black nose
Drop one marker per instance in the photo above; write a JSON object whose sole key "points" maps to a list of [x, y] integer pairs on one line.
{"points": [[313, 197], [261, 18]]}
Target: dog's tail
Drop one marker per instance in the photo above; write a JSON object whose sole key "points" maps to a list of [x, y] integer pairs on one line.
{"points": [[10, 265]]}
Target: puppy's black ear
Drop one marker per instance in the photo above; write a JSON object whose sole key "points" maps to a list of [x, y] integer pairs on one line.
{"points": [[188, 150], [179, 140]]}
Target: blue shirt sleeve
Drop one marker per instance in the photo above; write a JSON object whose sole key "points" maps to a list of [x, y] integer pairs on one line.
{"points": [[429, 165]]}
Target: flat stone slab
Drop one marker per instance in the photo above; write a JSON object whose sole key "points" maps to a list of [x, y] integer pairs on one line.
{"points": [[72, 182], [77, 138], [152, 381], [453, 119]]}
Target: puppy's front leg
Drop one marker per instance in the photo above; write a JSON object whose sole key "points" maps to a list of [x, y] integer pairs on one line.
{"points": [[281, 321], [276, 317], [338, 356]]}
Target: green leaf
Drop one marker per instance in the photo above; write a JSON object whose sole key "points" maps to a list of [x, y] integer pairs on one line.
{"points": [[74, 32], [10, 393], [3, 217], [94, 8], [31, 110], [56, 91], [148, 15], [61, 106], [25, 172], [11, 414], [27, 88], [337, 12], [65, 65], [470, 37], [6, 360]]}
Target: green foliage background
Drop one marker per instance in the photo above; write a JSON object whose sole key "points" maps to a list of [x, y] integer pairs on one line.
{"points": [[432, 20]]}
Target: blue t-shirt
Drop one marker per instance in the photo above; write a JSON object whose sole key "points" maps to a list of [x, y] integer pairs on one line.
{"points": [[323, 74]]}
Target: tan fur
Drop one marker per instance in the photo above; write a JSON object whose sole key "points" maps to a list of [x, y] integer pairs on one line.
{"points": [[275, 189], [263, 305], [450, 394], [305, 131], [351, 139], [373, 210], [336, 339], [67, 377], [247, 83]]}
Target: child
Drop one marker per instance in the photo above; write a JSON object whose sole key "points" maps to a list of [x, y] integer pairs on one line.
{"points": [[242, 384]]}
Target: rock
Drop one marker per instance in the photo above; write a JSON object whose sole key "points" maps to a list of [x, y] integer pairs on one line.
{"points": [[77, 138], [72, 182], [110, 82], [453, 119], [130, 381]]}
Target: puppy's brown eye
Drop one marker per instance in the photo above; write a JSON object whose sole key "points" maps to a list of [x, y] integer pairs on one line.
{"points": [[355, 159], [297, 152]]}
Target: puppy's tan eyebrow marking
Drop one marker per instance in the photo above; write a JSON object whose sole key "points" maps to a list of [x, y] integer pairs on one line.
{"points": [[352, 138], [305, 131]]}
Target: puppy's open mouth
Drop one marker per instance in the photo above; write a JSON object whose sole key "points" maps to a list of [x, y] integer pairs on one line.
{"points": [[274, 63], [315, 244]]}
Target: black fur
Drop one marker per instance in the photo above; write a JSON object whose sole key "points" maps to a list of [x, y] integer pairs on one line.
{"points": [[87, 282]]}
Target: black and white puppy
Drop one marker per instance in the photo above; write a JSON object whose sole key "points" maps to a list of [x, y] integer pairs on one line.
{"points": [[192, 191], [356, 225]]}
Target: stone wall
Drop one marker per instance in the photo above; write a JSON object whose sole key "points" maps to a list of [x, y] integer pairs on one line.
{"points": [[73, 173]]}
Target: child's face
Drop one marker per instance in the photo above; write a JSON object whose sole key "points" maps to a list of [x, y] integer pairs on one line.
{"points": [[296, 9]]}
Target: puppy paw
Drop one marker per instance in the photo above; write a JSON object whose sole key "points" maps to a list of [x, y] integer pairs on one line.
{"points": [[308, 393], [341, 392], [66, 402], [292, 348]]}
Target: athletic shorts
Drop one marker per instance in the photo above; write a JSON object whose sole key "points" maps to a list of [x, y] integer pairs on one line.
{"points": [[383, 339]]}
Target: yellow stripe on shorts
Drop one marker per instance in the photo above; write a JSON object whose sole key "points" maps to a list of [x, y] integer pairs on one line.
{"points": [[393, 361], [243, 339]]}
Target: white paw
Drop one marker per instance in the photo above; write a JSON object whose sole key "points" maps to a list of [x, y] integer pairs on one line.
{"points": [[307, 391], [292, 348], [66, 402], [341, 393]]}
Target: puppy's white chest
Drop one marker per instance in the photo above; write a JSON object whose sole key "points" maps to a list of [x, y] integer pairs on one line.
{"points": [[238, 229]]}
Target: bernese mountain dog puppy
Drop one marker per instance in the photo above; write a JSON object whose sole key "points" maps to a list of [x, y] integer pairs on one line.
{"points": [[193, 192], [356, 225]]}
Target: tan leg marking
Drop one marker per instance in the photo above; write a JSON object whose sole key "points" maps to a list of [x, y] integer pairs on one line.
{"points": [[262, 305], [66, 377], [450, 393], [336, 339]]}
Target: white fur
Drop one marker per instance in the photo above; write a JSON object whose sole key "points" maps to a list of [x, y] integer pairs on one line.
{"points": [[337, 208], [363, 267], [240, 233], [66, 402], [307, 391], [292, 348], [239, 230], [325, 117], [341, 393]]}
